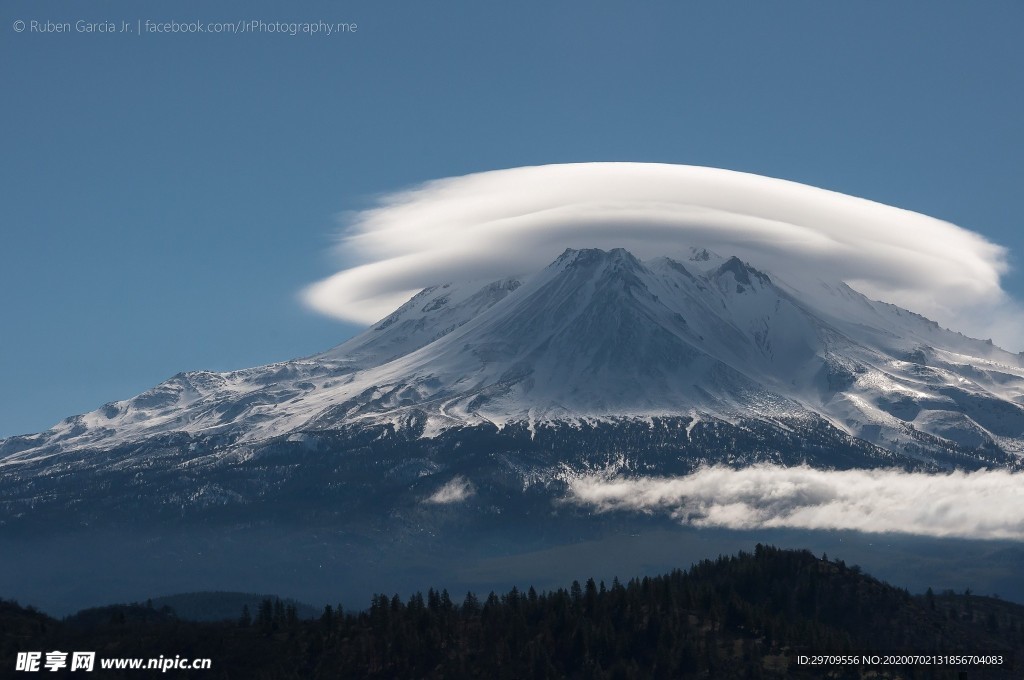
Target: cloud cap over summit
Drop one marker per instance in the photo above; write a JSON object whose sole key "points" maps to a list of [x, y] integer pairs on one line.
{"points": [[513, 222]]}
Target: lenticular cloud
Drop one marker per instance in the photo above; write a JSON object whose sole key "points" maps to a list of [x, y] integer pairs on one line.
{"points": [[984, 504], [513, 222]]}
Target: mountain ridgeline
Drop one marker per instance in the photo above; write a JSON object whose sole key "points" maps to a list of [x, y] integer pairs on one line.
{"points": [[597, 362]]}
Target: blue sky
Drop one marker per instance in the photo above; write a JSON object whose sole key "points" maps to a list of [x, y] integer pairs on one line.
{"points": [[166, 197]]}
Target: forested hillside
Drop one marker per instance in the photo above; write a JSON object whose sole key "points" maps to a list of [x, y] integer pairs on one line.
{"points": [[746, 616]]}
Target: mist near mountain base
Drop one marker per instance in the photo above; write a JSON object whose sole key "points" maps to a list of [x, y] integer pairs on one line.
{"points": [[986, 504], [61, 574]]}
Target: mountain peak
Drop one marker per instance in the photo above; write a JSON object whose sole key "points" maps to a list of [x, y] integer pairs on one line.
{"points": [[741, 271], [599, 334], [592, 257]]}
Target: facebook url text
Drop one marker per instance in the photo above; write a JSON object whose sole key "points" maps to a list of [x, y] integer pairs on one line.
{"points": [[152, 27]]}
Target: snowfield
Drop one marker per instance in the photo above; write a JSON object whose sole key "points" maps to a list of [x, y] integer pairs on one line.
{"points": [[599, 336]]}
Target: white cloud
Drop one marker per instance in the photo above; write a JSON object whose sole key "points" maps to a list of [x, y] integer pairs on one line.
{"points": [[984, 504], [514, 222], [455, 491]]}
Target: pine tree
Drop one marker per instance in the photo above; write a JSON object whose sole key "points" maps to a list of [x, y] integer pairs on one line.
{"points": [[266, 615]]}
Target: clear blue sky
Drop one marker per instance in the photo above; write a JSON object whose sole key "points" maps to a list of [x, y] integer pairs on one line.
{"points": [[164, 197]]}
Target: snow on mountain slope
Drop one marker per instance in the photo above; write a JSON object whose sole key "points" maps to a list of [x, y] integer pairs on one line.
{"points": [[600, 334], [429, 315]]}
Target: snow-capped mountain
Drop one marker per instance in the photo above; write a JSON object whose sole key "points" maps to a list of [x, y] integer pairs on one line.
{"points": [[667, 362], [601, 335]]}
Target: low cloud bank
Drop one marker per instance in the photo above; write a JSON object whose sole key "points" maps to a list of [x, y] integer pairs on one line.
{"points": [[981, 505], [514, 222]]}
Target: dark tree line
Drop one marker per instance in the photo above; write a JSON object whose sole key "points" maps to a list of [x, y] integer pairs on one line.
{"points": [[745, 616]]}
